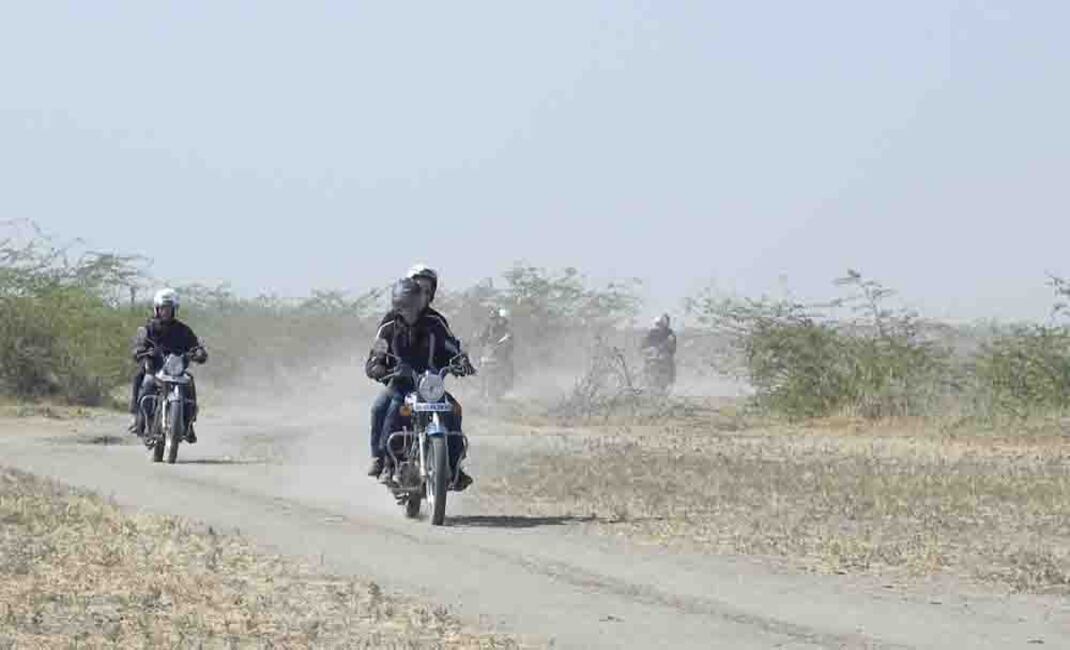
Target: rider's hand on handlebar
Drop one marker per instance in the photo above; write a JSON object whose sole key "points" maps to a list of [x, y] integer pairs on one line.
{"points": [[463, 367]]}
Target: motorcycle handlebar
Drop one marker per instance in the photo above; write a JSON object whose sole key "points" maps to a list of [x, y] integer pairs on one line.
{"points": [[454, 368]]}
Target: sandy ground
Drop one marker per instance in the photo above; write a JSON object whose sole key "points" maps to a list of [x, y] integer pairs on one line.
{"points": [[288, 477]]}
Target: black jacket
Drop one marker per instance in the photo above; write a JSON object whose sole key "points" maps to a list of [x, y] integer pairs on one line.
{"points": [[430, 311], [427, 345], [663, 339], [174, 336]]}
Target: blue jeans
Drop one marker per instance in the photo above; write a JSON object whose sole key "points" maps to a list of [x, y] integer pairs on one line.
{"points": [[384, 411]]}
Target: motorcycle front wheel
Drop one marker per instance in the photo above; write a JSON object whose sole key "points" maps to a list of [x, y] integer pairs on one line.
{"points": [[438, 480], [175, 431]]}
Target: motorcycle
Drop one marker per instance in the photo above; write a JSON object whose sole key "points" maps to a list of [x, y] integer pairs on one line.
{"points": [[497, 372], [419, 450], [167, 424], [657, 370]]}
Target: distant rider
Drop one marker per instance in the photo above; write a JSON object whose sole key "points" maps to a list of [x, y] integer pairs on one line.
{"points": [[662, 340], [163, 333], [419, 339], [496, 341]]}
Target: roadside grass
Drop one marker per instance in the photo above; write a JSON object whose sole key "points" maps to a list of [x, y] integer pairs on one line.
{"points": [[76, 571], [904, 496]]}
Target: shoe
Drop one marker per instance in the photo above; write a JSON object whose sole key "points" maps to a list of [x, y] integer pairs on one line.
{"points": [[137, 425], [191, 435], [463, 481], [376, 467]]}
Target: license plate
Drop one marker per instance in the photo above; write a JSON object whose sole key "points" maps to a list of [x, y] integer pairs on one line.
{"points": [[437, 407]]}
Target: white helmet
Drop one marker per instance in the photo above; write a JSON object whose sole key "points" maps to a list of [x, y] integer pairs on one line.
{"points": [[426, 272], [163, 297], [661, 321], [503, 313]]}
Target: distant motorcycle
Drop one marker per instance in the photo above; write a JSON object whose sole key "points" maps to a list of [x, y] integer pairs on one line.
{"points": [[658, 370], [496, 370], [419, 450], [169, 410]]}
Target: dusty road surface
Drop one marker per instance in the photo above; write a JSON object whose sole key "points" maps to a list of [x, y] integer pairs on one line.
{"points": [[290, 479]]}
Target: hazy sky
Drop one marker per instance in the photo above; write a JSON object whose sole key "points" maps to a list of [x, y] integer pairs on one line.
{"points": [[285, 146]]}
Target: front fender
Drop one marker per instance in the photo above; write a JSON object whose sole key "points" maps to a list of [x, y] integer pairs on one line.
{"points": [[435, 429]]}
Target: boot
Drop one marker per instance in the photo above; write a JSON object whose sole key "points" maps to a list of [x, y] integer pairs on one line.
{"points": [[191, 435], [137, 424], [375, 468], [463, 481]]}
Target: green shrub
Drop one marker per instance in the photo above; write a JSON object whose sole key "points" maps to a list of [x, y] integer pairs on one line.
{"points": [[62, 333], [803, 362]]}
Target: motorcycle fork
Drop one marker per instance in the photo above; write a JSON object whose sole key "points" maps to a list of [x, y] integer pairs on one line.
{"points": [[175, 399]]}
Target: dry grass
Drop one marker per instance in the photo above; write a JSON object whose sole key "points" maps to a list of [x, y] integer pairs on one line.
{"points": [[77, 572], [901, 498], [45, 409]]}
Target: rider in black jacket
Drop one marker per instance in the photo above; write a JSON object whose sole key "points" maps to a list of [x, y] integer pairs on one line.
{"points": [[419, 339], [427, 279], [162, 333]]}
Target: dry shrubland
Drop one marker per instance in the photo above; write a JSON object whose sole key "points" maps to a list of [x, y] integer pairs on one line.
{"points": [[897, 498], [759, 477]]}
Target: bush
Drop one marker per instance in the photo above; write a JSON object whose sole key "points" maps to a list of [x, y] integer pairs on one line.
{"points": [[1025, 370], [62, 332], [556, 316], [67, 322], [269, 337], [804, 362]]}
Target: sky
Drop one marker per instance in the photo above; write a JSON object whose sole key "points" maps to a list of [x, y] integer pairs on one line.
{"points": [[282, 147]]}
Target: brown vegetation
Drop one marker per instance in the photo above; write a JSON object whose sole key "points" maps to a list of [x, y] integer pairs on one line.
{"points": [[77, 572]]}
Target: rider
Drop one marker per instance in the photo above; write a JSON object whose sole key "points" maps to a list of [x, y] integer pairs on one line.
{"points": [[162, 333], [419, 339], [496, 330], [662, 339], [427, 279], [496, 340]]}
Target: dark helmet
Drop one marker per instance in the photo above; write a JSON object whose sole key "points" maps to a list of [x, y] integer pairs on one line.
{"points": [[425, 272], [408, 299]]}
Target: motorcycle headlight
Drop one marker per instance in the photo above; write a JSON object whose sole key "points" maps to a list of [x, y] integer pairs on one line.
{"points": [[432, 388], [174, 366]]}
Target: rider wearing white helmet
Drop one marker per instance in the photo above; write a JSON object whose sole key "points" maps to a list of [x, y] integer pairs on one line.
{"points": [[661, 337], [496, 341], [497, 327], [161, 333]]}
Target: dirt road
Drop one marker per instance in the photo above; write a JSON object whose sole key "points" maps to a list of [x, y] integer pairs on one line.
{"points": [[292, 484]]}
